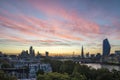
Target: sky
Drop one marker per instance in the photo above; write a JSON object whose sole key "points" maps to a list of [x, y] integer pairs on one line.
{"points": [[60, 27]]}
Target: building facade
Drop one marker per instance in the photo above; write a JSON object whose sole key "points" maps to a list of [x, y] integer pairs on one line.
{"points": [[106, 47]]}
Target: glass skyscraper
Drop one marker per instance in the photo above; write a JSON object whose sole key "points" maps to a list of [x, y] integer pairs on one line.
{"points": [[106, 47]]}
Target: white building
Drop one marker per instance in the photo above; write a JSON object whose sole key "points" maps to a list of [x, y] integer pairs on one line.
{"points": [[33, 68], [27, 69]]}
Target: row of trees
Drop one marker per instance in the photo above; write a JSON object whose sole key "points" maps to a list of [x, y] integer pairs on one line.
{"points": [[4, 76], [69, 70], [60, 76], [5, 64]]}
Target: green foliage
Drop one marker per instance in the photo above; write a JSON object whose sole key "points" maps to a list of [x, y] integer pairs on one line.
{"points": [[105, 76], [116, 75], [54, 64], [5, 65], [40, 71], [40, 77], [59, 76], [75, 71], [53, 76], [67, 67], [78, 76], [3, 76]]}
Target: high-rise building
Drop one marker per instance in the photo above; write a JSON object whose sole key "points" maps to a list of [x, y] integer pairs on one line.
{"points": [[117, 52], [31, 50], [47, 54], [106, 47], [82, 52]]}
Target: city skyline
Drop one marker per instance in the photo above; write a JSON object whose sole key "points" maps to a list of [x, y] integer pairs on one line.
{"points": [[59, 26]]}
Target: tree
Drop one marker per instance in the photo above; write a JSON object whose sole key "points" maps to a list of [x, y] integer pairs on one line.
{"points": [[105, 76], [40, 71], [75, 71], [67, 67], [53, 76], [55, 65], [116, 74], [76, 68], [3, 76], [5, 65], [40, 77], [78, 76]]}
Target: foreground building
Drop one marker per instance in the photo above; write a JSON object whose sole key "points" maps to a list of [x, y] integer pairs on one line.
{"points": [[26, 69], [25, 66]]}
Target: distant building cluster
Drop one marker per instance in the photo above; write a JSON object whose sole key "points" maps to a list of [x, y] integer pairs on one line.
{"points": [[31, 54], [105, 57], [24, 65]]}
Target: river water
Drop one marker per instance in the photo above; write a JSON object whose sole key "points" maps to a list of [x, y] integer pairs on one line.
{"points": [[97, 66]]}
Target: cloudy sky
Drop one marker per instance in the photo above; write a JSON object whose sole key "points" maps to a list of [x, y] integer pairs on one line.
{"points": [[59, 26]]}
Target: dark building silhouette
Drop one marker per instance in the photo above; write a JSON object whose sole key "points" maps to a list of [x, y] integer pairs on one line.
{"points": [[98, 57], [32, 53], [87, 55], [82, 52], [38, 56], [47, 54], [117, 52], [106, 47], [24, 54], [92, 56]]}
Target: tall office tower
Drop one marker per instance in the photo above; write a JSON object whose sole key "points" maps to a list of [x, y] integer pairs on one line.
{"points": [[82, 52], [47, 54], [106, 47], [31, 50]]}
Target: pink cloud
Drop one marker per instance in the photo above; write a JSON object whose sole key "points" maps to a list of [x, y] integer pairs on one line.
{"points": [[19, 26], [78, 23], [37, 28], [69, 27], [52, 28]]}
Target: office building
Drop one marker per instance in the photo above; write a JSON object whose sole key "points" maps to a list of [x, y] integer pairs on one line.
{"points": [[106, 47]]}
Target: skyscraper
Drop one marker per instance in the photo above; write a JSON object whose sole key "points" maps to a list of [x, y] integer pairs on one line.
{"points": [[82, 52], [31, 50], [106, 47], [47, 54]]}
